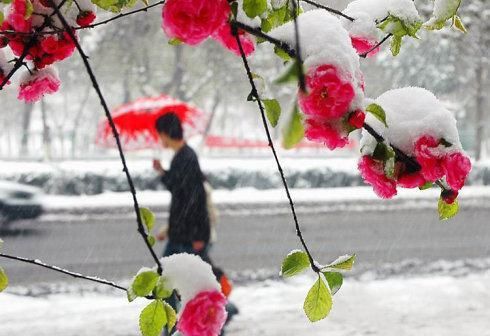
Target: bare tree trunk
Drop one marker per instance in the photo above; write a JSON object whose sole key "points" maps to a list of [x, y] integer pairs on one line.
{"points": [[26, 125], [480, 113], [46, 132]]}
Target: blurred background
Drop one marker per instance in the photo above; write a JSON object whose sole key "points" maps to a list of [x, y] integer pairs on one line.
{"points": [[73, 208]]}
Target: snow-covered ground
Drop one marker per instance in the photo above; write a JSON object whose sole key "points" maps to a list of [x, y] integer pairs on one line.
{"points": [[435, 305]]}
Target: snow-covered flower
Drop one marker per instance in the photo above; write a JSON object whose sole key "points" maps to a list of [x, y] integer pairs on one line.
{"points": [[372, 171], [429, 155], [20, 17], [457, 166], [193, 21], [204, 315], [34, 86]]}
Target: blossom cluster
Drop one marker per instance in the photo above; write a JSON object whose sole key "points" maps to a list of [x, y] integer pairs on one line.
{"points": [[193, 21], [31, 29]]}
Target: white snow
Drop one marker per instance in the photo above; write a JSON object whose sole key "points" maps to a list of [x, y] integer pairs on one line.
{"points": [[189, 275], [411, 112], [325, 41], [49, 72], [422, 305], [5, 66], [443, 11]]}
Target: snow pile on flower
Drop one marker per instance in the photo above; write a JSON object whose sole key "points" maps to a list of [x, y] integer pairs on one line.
{"points": [[368, 14], [34, 86], [421, 127], [334, 83], [443, 11], [203, 312]]}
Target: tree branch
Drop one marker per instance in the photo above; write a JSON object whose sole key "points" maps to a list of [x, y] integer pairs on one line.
{"points": [[364, 55], [64, 271], [331, 10], [271, 145], [95, 84]]}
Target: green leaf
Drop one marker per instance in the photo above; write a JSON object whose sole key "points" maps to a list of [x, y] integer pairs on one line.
{"points": [[282, 54], [343, 263], [1, 243], [144, 283], [396, 45], [151, 240], [254, 8], [445, 143], [272, 110], [318, 302], [378, 112], [290, 75], [4, 280], [171, 316], [2, 17], [447, 211], [115, 6], [130, 294], [383, 152], [426, 186], [295, 263], [162, 290], [148, 218], [389, 167], [459, 25], [234, 9], [29, 9], [153, 318], [334, 280], [175, 41], [294, 131]]}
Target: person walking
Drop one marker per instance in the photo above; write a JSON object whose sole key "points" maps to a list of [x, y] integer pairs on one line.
{"points": [[188, 227]]}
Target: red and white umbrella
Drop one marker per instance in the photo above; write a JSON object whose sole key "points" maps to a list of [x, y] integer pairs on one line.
{"points": [[135, 122]]}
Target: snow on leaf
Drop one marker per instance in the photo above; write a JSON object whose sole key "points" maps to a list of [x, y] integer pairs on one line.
{"points": [[377, 111], [447, 211], [153, 318], [334, 280], [318, 302], [443, 11], [344, 262], [295, 263], [4, 280]]}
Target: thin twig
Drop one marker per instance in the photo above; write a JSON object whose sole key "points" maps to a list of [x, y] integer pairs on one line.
{"points": [[331, 10], [95, 84], [273, 149], [64, 271], [364, 55]]}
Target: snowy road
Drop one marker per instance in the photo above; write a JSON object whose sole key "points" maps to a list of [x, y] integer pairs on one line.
{"points": [[110, 246]]}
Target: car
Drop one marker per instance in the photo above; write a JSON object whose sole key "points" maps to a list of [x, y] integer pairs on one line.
{"points": [[18, 201]]}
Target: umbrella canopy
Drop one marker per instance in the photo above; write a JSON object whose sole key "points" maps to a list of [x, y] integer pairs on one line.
{"points": [[135, 122]]}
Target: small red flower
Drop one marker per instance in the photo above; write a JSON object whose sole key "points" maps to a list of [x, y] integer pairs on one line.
{"points": [[326, 133], [356, 118], [411, 180], [225, 37], [34, 87], [430, 158], [204, 315], [372, 172], [456, 166], [363, 45], [86, 18], [193, 21]]}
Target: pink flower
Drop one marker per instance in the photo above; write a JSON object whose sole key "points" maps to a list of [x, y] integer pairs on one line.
{"points": [[429, 157], [34, 87], [204, 315], [363, 45], [372, 172], [192, 21], [457, 166], [326, 133], [328, 96], [225, 37], [356, 118], [85, 18], [411, 180], [19, 18]]}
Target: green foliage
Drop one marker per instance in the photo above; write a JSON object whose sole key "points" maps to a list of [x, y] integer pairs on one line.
{"points": [[426, 186], [144, 283], [446, 210], [334, 280], [29, 10], [282, 54], [396, 45], [162, 290], [294, 131], [151, 240], [148, 218], [290, 75], [4, 280], [438, 21], [295, 263], [171, 316], [2, 17], [254, 8], [153, 318], [399, 28], [342, 263], [115, 6], [175, 41], [378, 112], [272, 110], [459, 25], [318, 302]]}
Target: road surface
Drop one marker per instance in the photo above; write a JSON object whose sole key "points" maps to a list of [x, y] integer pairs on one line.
{"points": [[110, 246]]}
